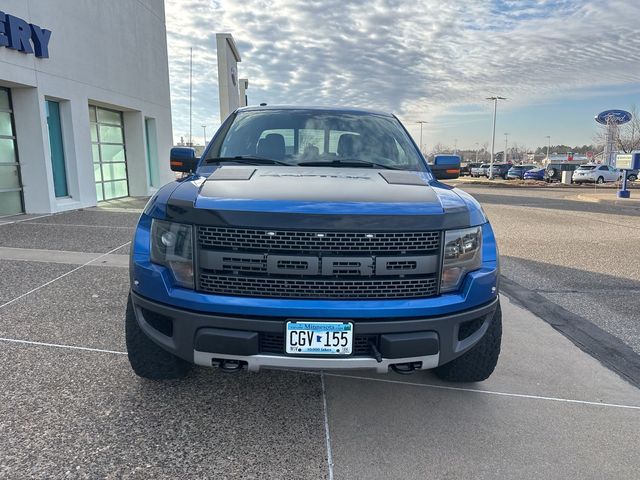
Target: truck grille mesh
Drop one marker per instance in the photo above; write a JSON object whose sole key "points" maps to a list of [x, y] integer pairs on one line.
{"points": [[291, 287], [326, 242]]}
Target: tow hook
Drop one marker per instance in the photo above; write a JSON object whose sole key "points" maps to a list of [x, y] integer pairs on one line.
{"points": [[406, 368], [228, 366]]}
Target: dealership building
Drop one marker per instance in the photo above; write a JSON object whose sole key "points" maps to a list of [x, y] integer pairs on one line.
{"points": [[85, 110]]}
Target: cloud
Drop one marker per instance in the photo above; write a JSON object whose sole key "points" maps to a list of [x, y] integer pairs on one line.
{"points": [[418, 58]]}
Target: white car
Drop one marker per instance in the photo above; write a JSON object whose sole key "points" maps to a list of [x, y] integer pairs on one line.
{"points": [[595, 173]]}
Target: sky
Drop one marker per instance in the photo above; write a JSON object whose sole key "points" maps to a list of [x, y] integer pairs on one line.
{"points": [[558, 62]]}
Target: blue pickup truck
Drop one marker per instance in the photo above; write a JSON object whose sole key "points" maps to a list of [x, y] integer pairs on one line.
{"points": [[313, 238]]}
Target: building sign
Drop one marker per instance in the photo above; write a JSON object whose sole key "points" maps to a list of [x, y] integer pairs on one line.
{"points": [[24, 37], [628, 161]]}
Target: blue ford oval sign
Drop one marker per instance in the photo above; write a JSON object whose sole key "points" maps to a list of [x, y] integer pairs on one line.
{"points": [[617, 116]]}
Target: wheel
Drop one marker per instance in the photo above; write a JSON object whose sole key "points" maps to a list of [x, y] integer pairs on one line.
{"points": [[147, 359], [632, 178], [551, 172], [600, 180], [478, 363]]}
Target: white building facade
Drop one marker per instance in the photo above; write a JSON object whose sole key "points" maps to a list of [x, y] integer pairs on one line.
{"points": [[85, 110]]}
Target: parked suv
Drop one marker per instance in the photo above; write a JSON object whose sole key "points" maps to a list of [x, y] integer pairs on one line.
{"points": [[594, 173], [499, 170], [518, 171], [465, 169], [553, 172], [480, 171], [312, 238]]}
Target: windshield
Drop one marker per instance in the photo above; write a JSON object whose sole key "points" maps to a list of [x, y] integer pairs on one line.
{"points": [[586, 167], [308, 137]]}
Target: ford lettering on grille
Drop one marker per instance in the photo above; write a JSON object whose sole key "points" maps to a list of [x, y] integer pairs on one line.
{"points": [[304, 265]]}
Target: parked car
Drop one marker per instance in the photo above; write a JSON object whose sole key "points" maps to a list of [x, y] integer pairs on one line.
{"points": [[534, 174], [594, 173], [518, 171], [553, 172], [499, 170], [261, 257], [480, 171], [632, 175], [465, 169]]}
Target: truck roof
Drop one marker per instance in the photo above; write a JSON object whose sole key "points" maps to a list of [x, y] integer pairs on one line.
{"points": [[314, 108]]}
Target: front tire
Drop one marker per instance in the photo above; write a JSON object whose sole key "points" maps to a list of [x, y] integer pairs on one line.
{"points": [[632, 178], [600, 180], [147, 359], [478, 363]]}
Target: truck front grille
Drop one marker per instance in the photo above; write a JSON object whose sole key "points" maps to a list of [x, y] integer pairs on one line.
{"points": [[219, 238], [320, 265]]}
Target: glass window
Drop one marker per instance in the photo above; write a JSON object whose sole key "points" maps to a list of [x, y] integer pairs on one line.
{"points": [[7, 151], [115, 189], [112, 153], [334, 139], [110, 134], [9, 176], [95, 150], [4, 100], [10, 203], [56, 147], [99, 194], [109, 116], [94, 133], [114, 171], [97, 173], [6, 128], [92, 114], [373, 139]]}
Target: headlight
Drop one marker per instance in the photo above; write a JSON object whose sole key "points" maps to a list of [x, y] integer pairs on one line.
{"points": [[172, 246], [462, 254]]}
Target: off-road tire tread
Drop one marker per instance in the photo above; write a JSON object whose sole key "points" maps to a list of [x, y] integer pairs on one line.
{"points": [[478, 363], [147, 359]]}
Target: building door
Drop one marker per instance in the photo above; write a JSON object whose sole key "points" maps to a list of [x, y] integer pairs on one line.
{"points": [[109, 156], [10, 185]]}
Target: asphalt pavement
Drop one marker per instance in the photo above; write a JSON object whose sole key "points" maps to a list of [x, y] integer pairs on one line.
{"points": [[70, 406]]}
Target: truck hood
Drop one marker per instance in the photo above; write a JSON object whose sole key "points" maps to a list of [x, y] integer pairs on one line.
{"points": [[324, 191]]}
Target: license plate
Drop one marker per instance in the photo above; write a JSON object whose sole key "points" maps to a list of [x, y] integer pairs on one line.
{"points": [[319, 338]]}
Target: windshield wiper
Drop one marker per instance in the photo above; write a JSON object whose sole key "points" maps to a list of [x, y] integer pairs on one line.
{"points": [[246, 159], [347, 162]]}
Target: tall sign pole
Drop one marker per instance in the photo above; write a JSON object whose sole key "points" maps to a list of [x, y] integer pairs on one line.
{"points": [[495, 99], [421, 122], [190, 96]]}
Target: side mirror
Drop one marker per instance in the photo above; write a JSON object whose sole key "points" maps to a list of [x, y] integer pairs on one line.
{"points": [[183, 159], [446, 167]]}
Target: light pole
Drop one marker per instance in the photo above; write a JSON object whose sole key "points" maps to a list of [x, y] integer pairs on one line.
{"points": [[204, 127], [477, 148], [421, 122], [548, 137], [495, 99], [506, 140], [455, 146]]}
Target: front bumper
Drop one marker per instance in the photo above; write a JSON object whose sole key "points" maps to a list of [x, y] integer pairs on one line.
{"points": [[207, 338]]}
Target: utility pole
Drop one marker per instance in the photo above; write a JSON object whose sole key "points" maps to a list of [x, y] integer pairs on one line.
{"points": [[477, 148], [548, 137], [455, 146], [421, 122], [190, 95], [495, 99], [506, 139], [204, 127]]}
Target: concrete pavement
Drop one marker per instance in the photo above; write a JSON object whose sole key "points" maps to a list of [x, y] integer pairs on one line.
{"points": [[70, 406]]}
